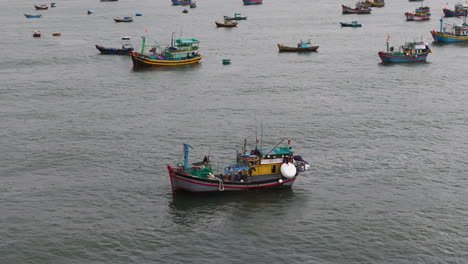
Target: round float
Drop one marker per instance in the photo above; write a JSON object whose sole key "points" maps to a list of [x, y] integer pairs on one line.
{"points": [[288, 170]]}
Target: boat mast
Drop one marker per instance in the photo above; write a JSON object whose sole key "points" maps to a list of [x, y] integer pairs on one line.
{"points": [[143, 43], [186, 156], [441, 23]]}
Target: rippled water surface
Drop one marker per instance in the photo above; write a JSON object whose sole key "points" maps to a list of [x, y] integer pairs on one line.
{"points": [[84, 138]]}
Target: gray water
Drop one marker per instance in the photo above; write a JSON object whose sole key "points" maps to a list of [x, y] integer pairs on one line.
{"points": [[85, 139]]}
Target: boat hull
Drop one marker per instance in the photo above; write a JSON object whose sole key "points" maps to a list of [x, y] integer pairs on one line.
{"points": [[450, 13], [41, 7], [349, 10], [183, 182], [295, 49], [350, 25], [252, 2], [32, 16], [140, 60], [123, 20], [415, 17], [182, 3], [447, 38], [388, 57], [233, 24], [114, 51]]}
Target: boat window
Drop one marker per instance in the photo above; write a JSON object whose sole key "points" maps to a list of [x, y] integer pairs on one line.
{"points": [[273, 169]]}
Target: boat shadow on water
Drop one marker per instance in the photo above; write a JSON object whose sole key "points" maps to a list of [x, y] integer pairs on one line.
{"points": [[177, 68]]}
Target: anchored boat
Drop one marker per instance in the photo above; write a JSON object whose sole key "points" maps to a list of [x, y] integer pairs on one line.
{"points": [[410, 52], [301, 46], [252, 2], [352, 24], [357, 10], [124, 50], [421, 13], [180, 52], [453, 33], [460, 10], [237, 16], [260, 169]]}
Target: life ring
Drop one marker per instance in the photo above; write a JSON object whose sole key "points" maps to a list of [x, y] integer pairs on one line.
{"points": [[288, 170]]}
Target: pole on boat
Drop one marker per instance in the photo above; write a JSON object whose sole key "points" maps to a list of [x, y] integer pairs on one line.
{"points": [[441, 23], [143, 43], [388, 45], [186, 156]]}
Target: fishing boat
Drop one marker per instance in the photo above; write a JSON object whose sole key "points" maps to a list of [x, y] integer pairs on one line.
{"points": [[376, 3], [274, 168], [301, 47], [459, 10], [181, 2], [420, 13], [41, 7], [57, 34], [357, 10], [32, 16], [252, 2], [52, 5], [124, 19], [126, 48], [452, 33], [185, 11], [352, 24], [227, 23], [193, 4], [410, 52], [237, 16], [363, 4], [180, 52], [37, 34]]}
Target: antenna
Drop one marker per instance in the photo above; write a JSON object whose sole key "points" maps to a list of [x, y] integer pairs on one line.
{"points": [[256, 137], [261, 136]]}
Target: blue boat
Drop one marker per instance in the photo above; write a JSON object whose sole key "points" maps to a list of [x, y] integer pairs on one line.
{"points": [[410, 52], [32, 16], [252, 2], [352, 24], [454, 33], [181, 2]]}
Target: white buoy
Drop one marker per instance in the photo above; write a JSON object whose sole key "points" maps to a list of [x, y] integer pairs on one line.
{"points": [[288, 170]]}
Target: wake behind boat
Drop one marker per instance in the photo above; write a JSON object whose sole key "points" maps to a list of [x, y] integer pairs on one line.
{"points": [[260, 169]]}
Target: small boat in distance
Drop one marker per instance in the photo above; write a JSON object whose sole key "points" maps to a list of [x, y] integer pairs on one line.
{"points": [[410, 52], [301, 47], [452, 33], [252, 2], [364, 4], [193, 4], [352, 24], [180, 52], [274, 168], [227, 23], [237, 16], [181, 2], [460, 10], [124, 19], [56, 34], [357, 10], [32, 16], [185, 11], [37, 34], [41, 7]]}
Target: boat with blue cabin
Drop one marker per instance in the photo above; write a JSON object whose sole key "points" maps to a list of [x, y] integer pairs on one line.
{"points": [[124, 19], [451, 33], [357, 10], [301, 47], [180, 52], [126, 48], [352, 24], [420, 13], [274, 168], [32, 16], [410, 52], [252, 2], [237, 16]]}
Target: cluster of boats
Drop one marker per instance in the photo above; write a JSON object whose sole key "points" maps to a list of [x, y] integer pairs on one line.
{"points": [[39, 7]]}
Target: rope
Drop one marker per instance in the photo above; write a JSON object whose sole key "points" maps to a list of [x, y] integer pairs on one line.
{"points": [[221, 184]]}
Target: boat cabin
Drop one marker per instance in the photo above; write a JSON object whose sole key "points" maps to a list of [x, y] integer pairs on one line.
{"points": [[264, 161], [304, 44]]}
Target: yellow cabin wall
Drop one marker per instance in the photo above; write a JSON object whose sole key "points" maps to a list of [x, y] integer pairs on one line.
{"points": [[265, 169]]}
